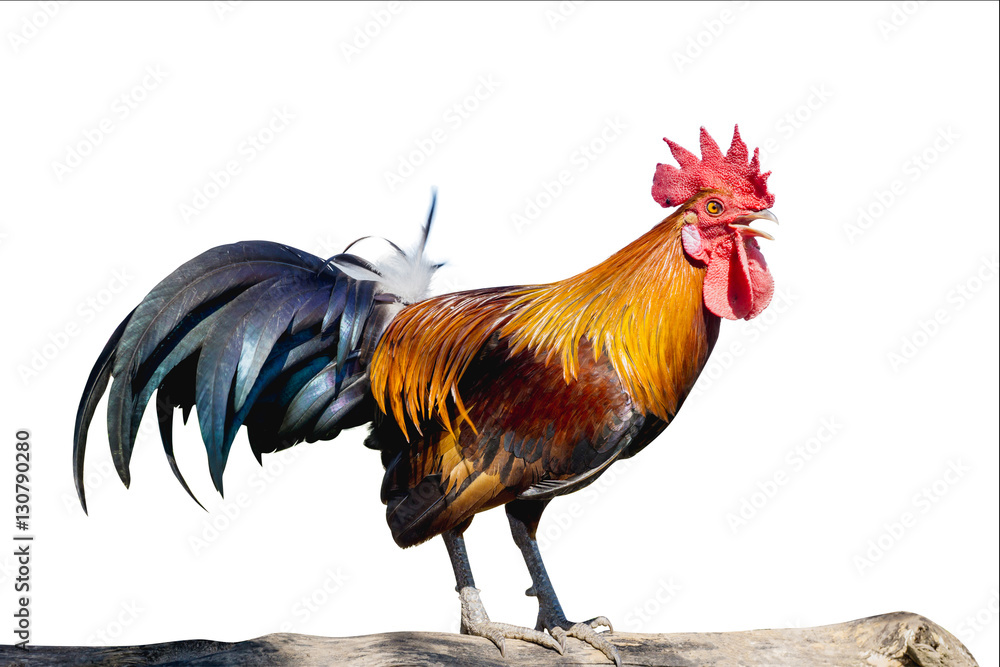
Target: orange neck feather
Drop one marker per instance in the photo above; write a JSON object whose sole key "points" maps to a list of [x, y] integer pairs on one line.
{"points": [[643, 307]]}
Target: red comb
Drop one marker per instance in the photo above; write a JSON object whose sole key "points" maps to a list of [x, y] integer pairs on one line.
{"points": [[673, 186]]}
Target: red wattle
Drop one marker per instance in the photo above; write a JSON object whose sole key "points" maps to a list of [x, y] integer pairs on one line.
{"points": [[762, 284], [737, 282]]}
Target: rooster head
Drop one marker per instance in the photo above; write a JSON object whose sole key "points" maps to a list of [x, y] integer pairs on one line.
{"points": [[720, 195]]}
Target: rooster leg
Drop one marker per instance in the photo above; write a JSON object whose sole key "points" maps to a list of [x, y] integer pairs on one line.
{"points": [[475, 621], [523, 516]]}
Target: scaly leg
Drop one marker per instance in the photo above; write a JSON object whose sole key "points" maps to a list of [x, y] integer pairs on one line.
{"points": [[523, 516], [475, 621]]}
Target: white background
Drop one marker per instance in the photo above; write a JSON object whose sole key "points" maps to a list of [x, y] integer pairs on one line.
{"points": [[842, 97]]}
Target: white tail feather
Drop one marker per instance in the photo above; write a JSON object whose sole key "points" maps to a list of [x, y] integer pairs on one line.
{"points": [[405, 275]]}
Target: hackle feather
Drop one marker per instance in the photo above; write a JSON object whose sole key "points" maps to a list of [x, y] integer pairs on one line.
{"points": [[637, 307]]}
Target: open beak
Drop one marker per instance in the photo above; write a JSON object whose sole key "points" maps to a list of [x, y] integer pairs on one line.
{"points": [[747, 230]]}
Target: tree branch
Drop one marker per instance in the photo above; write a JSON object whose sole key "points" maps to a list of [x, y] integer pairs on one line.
{"points": [[899, 639]]}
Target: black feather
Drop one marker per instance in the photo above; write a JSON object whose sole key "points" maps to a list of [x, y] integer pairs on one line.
{"points": [[165, 404], [241, 331], [92, 392], [220, 354]]}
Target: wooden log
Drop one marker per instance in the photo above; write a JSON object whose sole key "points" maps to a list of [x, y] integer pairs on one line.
{"points": [[899, 639]]}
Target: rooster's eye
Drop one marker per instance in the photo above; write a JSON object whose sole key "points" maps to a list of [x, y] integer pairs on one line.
{"points": [[713, 207]]}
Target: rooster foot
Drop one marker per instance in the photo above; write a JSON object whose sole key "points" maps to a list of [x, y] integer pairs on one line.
{"points": [[560, 628], [477, 623]]}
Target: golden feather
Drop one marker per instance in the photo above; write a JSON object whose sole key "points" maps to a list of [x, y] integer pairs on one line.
{"points": [[642, 307]]}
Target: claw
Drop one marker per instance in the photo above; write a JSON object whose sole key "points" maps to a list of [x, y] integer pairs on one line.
{"points": [[560, 628], [560, 636], [599, 621], [477, 623], [490, 633], [585, 632]]}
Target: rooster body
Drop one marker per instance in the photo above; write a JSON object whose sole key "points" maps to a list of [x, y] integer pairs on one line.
{"points": [[544, 417], [502, 396]]}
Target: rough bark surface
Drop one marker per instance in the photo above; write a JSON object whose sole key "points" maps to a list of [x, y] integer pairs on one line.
{"points": [[899, 639]]}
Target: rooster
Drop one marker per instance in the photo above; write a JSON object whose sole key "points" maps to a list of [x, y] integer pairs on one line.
{"points": [[501, 396]]}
